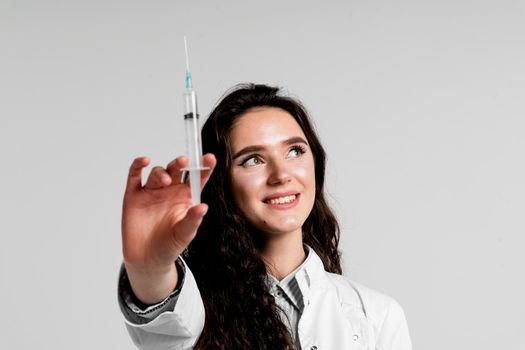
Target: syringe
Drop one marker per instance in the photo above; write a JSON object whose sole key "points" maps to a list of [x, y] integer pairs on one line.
{"points": [[193, 135]]}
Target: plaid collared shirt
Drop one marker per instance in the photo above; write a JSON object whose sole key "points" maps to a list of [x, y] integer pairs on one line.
{"points": [[289, 300]]}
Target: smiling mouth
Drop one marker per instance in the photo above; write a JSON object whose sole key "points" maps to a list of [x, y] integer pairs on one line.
{"points": [[282, 200]]}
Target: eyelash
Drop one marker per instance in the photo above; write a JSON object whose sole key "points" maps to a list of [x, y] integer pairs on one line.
{"points": [[300, 149]]}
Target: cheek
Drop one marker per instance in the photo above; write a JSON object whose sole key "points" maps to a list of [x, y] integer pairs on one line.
{"points": [[246, 186], [305, 172]]}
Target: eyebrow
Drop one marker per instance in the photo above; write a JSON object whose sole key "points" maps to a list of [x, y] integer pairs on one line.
{"points": [[257, 148]]}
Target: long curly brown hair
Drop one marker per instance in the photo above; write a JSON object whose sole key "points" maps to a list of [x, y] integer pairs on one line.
{"points": [[224, 257]]}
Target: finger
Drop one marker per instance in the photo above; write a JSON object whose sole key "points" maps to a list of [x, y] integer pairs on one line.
{"points": [[135, 173], [174, 168], [184, 231], [209, 161], [158, 178]]}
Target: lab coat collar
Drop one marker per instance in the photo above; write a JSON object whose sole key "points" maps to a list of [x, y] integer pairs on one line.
{"points": [[311, 278]]}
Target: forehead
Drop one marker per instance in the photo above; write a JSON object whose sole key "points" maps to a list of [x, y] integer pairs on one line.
{"points": [[264, 126]]}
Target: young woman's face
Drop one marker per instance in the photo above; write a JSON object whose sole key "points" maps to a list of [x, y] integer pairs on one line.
{"points": [[272, 175]]}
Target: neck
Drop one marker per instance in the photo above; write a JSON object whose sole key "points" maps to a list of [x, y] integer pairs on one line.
{"points": [[283, 253]]}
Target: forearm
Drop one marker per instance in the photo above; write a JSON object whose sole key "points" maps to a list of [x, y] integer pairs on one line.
{"points": [[175, 323], [151, 286]]}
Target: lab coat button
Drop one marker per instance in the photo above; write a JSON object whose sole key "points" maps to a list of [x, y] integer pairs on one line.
{"points": [[313, 348], [355, 337]]}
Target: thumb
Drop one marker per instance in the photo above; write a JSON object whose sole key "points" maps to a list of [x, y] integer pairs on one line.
{"points": [[184, 231]]}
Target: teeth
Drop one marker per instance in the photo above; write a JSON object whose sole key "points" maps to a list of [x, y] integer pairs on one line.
{"points": [[282, 200]]}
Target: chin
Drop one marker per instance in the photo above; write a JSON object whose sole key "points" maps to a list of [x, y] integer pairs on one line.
{"points": [[280, 228]]}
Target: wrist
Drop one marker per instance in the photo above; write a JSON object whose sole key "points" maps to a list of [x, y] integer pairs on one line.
{"points": [[152, 285]]}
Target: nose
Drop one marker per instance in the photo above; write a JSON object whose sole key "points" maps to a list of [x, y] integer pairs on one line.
{"points": [[279, 173]]}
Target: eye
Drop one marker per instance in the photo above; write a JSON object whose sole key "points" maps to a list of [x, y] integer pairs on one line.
{"points": [[251, 161], [296, 151]]}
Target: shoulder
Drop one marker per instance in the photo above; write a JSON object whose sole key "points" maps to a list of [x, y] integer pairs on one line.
{"points": [[381, 309]]}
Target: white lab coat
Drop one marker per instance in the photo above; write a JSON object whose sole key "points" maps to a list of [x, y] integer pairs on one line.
{"points": [[338, 314]]}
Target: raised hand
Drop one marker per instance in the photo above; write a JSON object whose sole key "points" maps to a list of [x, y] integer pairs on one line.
{"points": [[158, 223]]}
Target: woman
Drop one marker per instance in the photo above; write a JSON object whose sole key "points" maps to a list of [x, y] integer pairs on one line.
{"points": [[257, 266]]}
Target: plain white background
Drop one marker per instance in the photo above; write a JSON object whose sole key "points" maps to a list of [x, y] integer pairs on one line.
{"points": [[419, 104]]}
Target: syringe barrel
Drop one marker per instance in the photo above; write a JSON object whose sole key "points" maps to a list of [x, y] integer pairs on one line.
{"points": [[193, 143]]}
